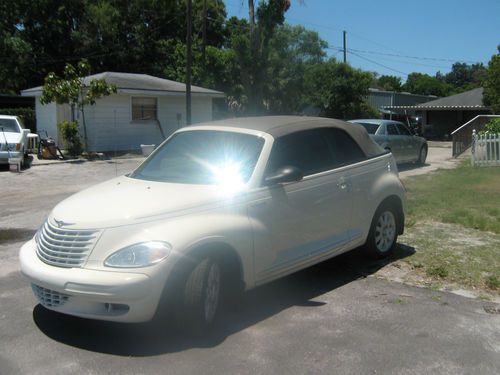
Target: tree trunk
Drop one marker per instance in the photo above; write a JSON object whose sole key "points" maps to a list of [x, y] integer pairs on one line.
{"points": [[81, 105]]}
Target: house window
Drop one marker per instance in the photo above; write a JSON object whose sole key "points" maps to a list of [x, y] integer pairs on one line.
{"points": [[144, 109]]}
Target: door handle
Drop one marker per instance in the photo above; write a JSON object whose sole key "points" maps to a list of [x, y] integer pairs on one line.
{"points": [[343, 184]]}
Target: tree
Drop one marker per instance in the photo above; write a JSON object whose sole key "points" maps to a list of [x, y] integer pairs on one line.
{"points": [[339, 90], [72, 89], [464, 76], [293, 49], [492, 83], [389, 83], [424, 84], [252, 47]]}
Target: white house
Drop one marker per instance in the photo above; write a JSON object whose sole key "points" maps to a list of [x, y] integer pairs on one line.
{"points": [[131, 117]]}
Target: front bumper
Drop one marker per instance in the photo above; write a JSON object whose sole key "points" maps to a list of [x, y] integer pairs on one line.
{"points": [[96, 294], [5, 156]]}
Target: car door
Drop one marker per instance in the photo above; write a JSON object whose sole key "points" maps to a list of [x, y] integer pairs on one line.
{"points": [[297, 223], [395, 142], [408, 143], [360, 177]]}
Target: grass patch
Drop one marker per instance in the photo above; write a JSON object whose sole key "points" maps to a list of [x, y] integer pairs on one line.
{"points": [[493, 282], [467, 196], [453, 222], [437, 271]]}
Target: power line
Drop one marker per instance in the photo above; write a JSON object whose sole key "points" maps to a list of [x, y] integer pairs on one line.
{"points": [[382, 65], [411, 57], [398, 54], [412, 63]]}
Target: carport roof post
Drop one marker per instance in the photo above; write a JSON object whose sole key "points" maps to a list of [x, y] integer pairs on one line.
{"points": [[138, 84]]}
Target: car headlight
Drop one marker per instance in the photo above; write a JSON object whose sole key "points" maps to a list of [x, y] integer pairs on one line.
{"points": [[139, 255], [14, 146]]}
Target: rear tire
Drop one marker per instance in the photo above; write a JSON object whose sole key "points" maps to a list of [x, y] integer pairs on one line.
{"points": [[383, 233]]}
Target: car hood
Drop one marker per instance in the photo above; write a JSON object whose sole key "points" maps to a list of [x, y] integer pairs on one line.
{"points": [[125, 201], [11, 137]]}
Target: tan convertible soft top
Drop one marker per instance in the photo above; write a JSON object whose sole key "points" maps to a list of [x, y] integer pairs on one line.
{"points": [[278, 126]]}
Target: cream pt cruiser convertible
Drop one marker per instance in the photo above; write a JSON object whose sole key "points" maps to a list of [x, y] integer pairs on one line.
{"points": [[218, 208]]}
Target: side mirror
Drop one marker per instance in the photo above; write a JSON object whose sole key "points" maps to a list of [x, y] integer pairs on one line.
{"points": [[284, 174]]}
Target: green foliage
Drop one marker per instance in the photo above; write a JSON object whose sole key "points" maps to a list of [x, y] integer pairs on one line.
{"points": [[252, 49], [27, 116], [293, 50], [437, 271], [492, 84], [72, 89], [338, 89], [70, 133], [463, 76], [260, 63], [424, 84], [389, 83], [493, 126], [493, 282]]}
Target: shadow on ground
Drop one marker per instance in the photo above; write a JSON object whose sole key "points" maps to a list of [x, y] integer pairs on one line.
{"points": [[15, 235], [155, 338], [411, 166]]}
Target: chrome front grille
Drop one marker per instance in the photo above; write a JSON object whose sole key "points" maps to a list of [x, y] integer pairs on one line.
{"points": [[64, 247], [49, 298]]}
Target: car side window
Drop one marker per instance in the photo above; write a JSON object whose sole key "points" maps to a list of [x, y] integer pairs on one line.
{"points": [[391, 129], [306, 150], [344, 149], [403, 130]]}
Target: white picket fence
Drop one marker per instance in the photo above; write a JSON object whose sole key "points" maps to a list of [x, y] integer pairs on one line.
{"points": [[485, 149]]}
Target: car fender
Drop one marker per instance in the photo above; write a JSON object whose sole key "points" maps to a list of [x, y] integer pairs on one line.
{"points": [[185, 234], [387, 185]]}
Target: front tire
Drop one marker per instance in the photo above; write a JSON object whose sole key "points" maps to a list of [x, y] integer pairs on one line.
{"points": [[422, 155], [202, 294], [383, 233]]}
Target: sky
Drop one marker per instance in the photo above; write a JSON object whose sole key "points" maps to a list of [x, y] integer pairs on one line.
{"points": [[398, 37]]}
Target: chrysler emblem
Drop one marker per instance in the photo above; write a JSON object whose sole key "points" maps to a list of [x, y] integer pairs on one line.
{"points": [[61, 223]]}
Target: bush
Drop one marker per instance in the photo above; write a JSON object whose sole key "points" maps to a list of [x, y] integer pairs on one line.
{"points": [[493, 126], [70, 133], [27, 116]]}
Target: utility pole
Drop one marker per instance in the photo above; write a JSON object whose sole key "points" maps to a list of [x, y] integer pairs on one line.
{"points": [[345, 47], [188, 60]]}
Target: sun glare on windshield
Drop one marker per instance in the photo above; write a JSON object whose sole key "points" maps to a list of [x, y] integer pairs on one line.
{"points": [[222, 158]]}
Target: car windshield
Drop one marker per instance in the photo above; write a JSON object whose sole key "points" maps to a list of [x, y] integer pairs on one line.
{"points": [[370, 128], [9, 125], [203, 157]]}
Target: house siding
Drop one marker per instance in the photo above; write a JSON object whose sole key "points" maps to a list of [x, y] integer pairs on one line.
{"points": [[46, 119], [110, 126]]}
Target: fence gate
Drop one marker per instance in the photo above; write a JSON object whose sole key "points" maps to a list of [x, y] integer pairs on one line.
{"points": [[485, 149]]}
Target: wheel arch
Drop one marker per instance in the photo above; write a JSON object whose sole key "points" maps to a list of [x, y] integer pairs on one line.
{"points": [[231, 263], [395, 202]]}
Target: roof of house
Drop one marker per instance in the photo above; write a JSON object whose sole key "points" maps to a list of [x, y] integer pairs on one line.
{"points": [[472, 99], [278, 126], [132, 83]]}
